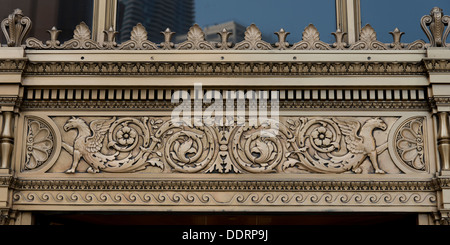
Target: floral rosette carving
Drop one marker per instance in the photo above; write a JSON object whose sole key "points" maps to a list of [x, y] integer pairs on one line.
{"points": [[410, 145], [39, 144], [124, 134]]}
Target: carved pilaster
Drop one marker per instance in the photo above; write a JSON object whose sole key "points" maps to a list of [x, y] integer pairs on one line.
{"points": [[6, 140], [443, 141]]}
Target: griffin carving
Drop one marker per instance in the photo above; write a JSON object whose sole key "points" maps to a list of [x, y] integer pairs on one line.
{"points": [[323, 151], [89, 142]]}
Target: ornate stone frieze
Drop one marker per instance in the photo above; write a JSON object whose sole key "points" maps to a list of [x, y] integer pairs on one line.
{"points": [[298, 145]]}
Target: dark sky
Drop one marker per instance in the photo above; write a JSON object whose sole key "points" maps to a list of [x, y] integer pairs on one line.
{"points": [[294, 15]]}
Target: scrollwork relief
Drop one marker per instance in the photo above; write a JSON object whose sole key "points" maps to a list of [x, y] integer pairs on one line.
{"points": [[227, 198], [298, 145], [134, 144]]}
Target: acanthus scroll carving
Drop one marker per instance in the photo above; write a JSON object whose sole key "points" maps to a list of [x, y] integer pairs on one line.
{"points": [[134, 144], [297, 145]]}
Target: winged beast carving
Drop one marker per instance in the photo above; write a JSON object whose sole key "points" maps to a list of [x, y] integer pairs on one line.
{"points": [[90, 141], [337, 145], [136, 144]]}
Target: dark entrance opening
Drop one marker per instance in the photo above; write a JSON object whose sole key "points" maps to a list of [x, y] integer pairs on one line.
{"points": [[226, 218]]}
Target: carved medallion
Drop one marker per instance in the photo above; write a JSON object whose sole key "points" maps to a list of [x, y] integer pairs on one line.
{"points": [[410, 143], [39, 143]]}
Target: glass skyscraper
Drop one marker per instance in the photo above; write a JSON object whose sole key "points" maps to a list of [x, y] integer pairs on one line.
{"points": [[156, 16]]}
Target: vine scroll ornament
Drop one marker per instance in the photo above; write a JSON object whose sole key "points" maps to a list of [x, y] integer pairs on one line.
{"points": [[311, 144], [138, 144]]}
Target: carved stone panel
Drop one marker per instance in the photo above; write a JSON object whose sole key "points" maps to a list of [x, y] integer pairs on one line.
{"points": [[295, 145]]}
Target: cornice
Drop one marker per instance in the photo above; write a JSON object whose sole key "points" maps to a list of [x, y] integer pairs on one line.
{"points": [[167, 105], [13, 65], [224, 185], [244, 68], [436, 65]]}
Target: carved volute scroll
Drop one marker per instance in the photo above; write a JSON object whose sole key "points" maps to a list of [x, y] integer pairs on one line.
{"points": [[437, 22], [15, 27]]}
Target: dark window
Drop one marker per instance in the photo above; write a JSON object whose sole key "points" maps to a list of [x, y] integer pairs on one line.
{"points": [[44, 14]]}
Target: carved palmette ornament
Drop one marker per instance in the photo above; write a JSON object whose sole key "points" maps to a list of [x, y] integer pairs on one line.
{"points": [[138, 39], [39, 144], [253, 40], [195, 40], [311, 40]]}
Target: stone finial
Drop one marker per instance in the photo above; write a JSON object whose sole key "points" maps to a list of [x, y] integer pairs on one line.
{"points": [[15, 27], [437, 32]]}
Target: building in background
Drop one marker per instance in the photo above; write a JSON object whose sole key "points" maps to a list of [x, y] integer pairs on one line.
{"points": [[156, 16]]}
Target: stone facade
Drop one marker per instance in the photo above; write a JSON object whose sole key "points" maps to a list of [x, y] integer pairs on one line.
{"points": [[88, 125]]}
